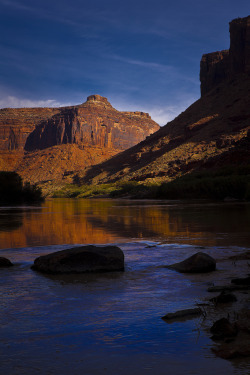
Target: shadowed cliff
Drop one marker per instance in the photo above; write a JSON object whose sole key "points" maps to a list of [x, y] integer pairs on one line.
{"points": [[211, 133]]}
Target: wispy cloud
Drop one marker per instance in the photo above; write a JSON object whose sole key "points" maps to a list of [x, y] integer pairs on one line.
{"points": [[169, 71], [68, 14], [150, 65], [14, 102]]}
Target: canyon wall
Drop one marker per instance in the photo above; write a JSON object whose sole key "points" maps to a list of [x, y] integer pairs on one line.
{"points": [[216, 67]]}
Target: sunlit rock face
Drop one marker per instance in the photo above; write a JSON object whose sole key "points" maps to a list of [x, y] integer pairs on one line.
{"points": [[218, 66], [95, 123], [46, 143]]}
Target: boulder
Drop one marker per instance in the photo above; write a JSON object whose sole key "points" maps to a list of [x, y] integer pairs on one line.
{"points": [[4, 262], [81, 259], [197, 263]]}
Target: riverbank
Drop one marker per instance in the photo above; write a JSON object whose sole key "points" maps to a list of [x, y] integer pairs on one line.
{"points": [[222, 184]]}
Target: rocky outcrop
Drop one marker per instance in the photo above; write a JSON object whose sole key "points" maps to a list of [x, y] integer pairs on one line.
{"points": [[216, 67], [83, 259], [197, 263], [96, 129]]}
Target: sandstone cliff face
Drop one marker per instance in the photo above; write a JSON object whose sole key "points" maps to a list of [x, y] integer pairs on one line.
{"points": [[17, 124], [219, 66], [38, 142], [214, 68], [94, 123]]}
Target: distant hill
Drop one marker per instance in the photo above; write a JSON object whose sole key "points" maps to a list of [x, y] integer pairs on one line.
{"points": [[53, 144], [212, 133]]}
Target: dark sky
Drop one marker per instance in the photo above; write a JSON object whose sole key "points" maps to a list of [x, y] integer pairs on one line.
{"points": [[141, 54]]}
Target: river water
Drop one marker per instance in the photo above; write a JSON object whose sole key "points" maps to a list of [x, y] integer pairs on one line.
{"points": [[111, 323]]}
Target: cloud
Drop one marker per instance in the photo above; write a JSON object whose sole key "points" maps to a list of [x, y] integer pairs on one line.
{"points": [[14, 102]]}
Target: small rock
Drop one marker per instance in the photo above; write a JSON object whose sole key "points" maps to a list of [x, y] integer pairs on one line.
{"points": [[224, 297], [222, 329], [229, 352], [4, 262], [182, 314], [197, 263], [241, 281], [82, 259]]}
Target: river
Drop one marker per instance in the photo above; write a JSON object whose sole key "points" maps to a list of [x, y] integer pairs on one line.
{"points": [[111, 323]]}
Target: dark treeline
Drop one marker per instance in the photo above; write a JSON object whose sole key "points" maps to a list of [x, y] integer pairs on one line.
{"points": [[13, 190]]}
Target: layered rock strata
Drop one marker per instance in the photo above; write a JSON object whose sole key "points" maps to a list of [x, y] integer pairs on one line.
{"points": [[46, 143]]}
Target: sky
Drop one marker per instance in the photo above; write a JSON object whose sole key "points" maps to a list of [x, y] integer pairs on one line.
{"points": [[143, 55]]}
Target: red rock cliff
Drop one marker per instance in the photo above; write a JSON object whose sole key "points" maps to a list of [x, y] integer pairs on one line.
{"points": [[50, 143], [94, 123], [216, 67]]}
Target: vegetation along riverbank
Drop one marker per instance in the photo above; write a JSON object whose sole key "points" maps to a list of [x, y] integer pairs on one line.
{"points": [[226, 183]]}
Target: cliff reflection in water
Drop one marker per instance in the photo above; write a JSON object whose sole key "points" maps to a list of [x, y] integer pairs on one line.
{"points": [[70, 221]]}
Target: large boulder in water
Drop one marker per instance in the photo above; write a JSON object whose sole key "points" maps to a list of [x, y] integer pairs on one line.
{"points": [[81, 259], [197, 263]]}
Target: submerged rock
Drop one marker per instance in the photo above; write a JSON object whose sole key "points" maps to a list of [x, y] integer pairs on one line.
{"points": [[197, 263], [4, 262], [221, 288], [183, 314], [81, 259]]}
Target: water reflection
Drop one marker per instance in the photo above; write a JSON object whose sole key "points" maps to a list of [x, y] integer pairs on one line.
{"points": [[10, 219], [70, 221]]}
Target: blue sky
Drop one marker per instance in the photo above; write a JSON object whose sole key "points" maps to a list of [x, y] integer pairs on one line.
{"points": [[141, 55]]}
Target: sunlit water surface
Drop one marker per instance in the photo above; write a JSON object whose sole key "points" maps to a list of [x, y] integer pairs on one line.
{"points": [[111, 323]]}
